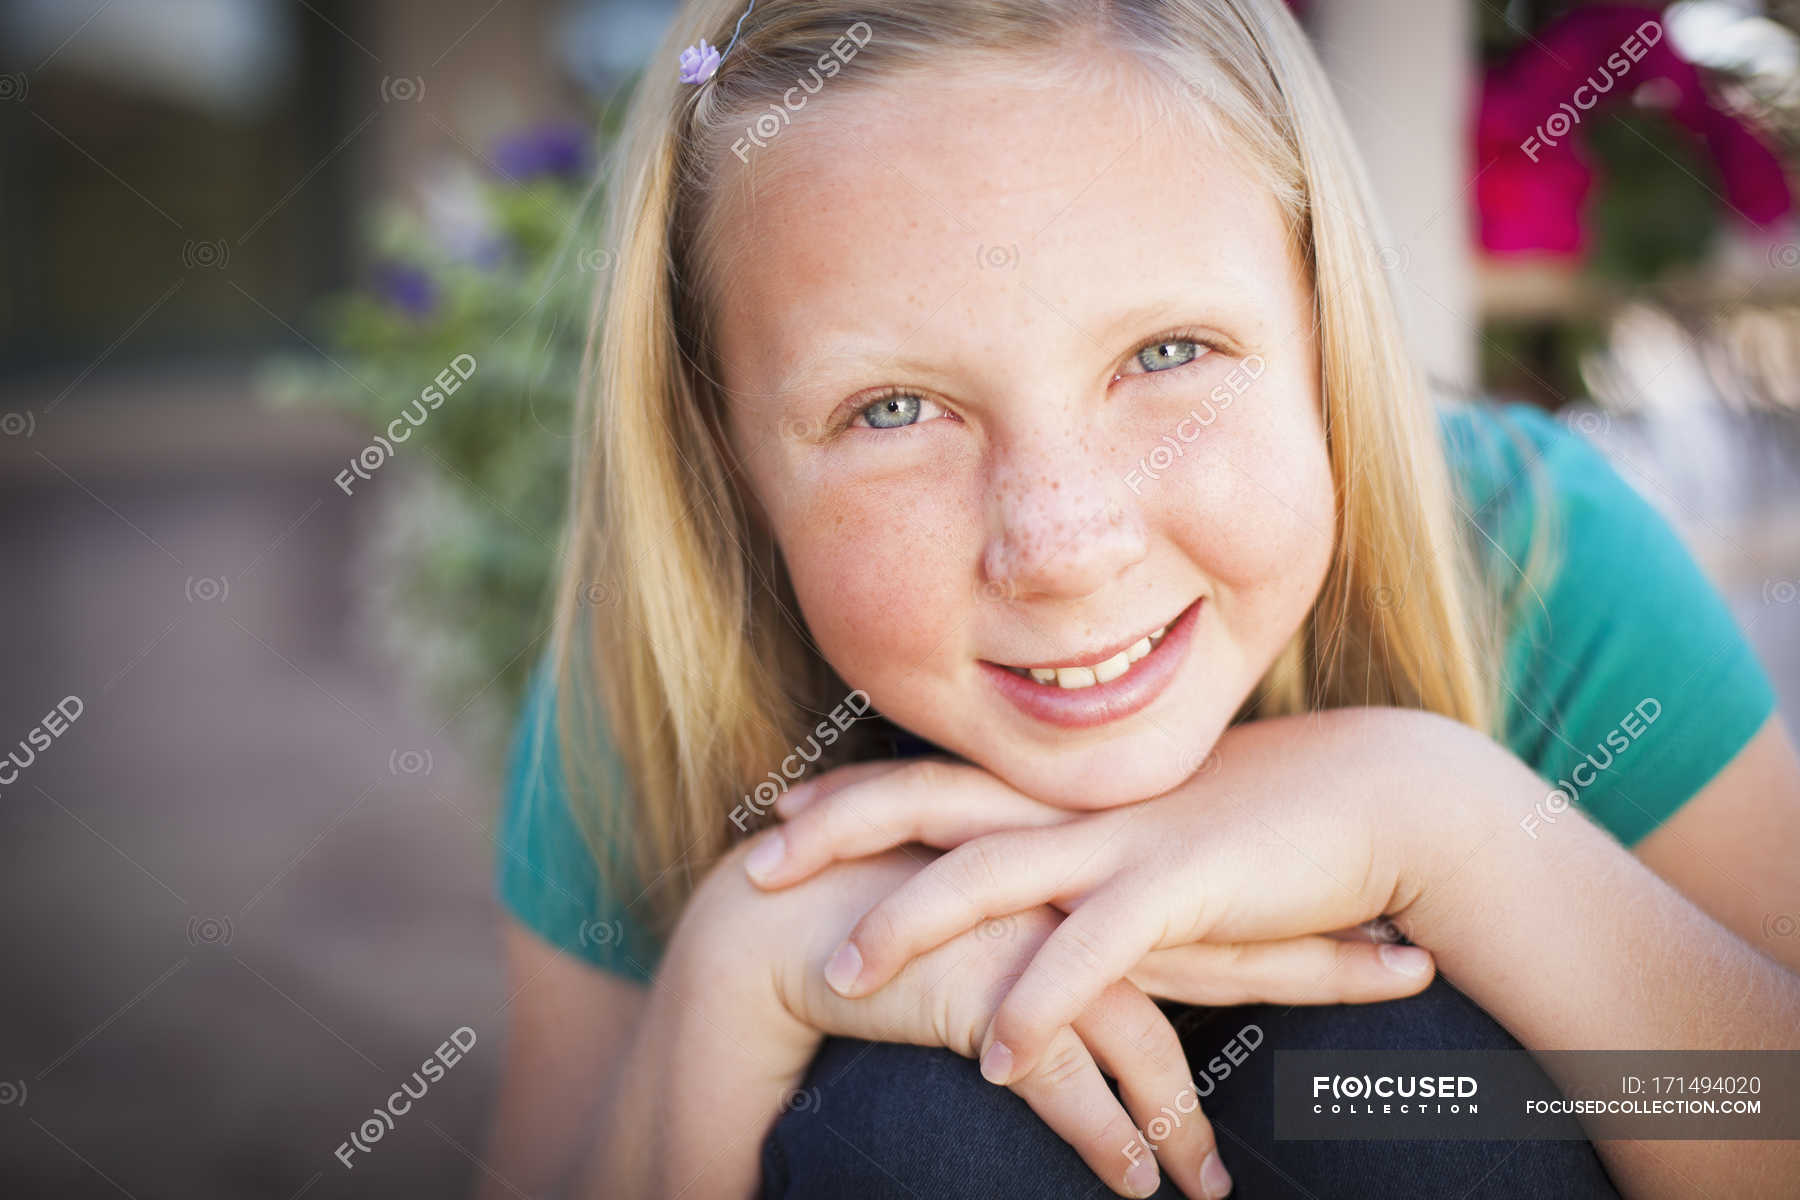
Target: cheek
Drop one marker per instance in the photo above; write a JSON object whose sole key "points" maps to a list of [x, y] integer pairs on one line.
{"points": [[882, 578], [1256, 508]]}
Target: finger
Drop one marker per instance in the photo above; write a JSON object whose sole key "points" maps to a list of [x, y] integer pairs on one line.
{"points": [[1132, 1041], [1095, 946], [988, 877], [808, 790], [929, 801], [1318, 969], [1069, 1094], [770, 850]]}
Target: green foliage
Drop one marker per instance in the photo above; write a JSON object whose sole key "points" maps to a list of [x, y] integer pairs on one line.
{"points": [[1656, 207], [468, 510]]}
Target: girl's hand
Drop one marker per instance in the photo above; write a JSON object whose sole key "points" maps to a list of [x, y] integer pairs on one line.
{"points": [[1228, 889], [945, 996]]}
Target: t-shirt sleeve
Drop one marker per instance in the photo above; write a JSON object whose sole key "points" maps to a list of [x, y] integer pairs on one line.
{"points": [[543, 872], [1629, 684]]}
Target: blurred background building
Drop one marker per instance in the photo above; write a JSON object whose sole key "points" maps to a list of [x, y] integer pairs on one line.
{"points": [[249, 885]]}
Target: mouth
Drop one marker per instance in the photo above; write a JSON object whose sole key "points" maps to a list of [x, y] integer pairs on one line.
{"points": [[1094, 669], [1104, 685]]}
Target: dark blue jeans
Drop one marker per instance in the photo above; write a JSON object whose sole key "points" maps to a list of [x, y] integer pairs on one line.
{"points": [[877, 1121]]}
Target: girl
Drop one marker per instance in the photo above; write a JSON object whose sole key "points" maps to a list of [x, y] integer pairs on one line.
{"points": [[1022, 372]]}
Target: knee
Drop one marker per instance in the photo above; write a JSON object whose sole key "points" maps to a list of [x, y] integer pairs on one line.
{"points": [[1438, 1018], [1242, 1107], [874, 1120]]}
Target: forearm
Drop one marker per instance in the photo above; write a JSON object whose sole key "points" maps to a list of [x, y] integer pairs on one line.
{"points": [[1594, 951], [546, 1114], [706, 1073]]}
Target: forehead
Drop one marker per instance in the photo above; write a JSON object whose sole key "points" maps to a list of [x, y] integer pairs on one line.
{"points": [[928, 214]]}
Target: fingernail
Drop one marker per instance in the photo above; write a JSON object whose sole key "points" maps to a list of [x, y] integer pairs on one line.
{"points": [[796, 798], [996, 1067], [761, 862], [844, 967], [1214, 1177], [1143, 1179], [1406, 960]]}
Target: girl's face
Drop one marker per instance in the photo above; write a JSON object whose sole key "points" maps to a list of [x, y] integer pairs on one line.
{"points": [[1017, 384]]}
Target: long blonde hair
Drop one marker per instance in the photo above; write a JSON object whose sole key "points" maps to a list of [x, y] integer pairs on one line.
{"points": [[676, 642]]}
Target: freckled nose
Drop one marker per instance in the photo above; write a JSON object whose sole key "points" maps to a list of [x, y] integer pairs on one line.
{"points": [[1058, 525]]}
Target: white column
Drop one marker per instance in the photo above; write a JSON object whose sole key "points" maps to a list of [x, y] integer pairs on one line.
{"points": [[1404, 74]]}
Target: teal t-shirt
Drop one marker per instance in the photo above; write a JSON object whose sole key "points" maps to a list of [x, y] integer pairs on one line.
{"points": [[1628, 683]]}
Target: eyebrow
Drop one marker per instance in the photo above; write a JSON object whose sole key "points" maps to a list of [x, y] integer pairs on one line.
{"points": [[861, 353]]}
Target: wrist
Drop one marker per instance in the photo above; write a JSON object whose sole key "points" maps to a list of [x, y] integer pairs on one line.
{"points": [[1452, 784], [723, 972], [714, 1048]]}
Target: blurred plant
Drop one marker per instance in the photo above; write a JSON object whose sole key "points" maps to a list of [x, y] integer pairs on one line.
{"points": [[1540, 154], [491, 264], [1636, 195]]}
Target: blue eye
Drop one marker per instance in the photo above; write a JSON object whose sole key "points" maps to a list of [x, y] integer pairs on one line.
{"points": [[892, 412], [1176, 352]]}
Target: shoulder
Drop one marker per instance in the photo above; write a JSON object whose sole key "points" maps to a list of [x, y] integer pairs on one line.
{"points": [[546, 872], [1500, 455], [1628, 684]]}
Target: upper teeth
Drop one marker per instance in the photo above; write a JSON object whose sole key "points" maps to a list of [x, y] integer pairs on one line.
{"points": [[1080, 677]]}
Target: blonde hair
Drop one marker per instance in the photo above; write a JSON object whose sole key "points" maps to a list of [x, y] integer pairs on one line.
{"points": [[676, 641]]}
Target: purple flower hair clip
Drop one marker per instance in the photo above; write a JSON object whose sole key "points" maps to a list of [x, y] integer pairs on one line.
{"points": [[699, 62]]}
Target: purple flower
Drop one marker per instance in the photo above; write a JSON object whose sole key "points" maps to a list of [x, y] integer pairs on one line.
{"points": [[488, 252], [556, 149], [406, 288], [699, 63]]}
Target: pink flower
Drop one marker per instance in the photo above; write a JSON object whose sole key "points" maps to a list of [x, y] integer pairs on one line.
{"points": [[1535, 175]]}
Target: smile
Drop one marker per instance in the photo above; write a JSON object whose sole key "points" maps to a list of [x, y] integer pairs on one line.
{"points": [[1104, 671], [1107, 685]]}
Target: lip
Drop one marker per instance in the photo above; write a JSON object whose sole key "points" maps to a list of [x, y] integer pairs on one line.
{"points": [[1084, 708]]}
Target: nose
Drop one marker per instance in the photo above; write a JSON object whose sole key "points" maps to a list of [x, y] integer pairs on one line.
{"points": [[1060, 525]]}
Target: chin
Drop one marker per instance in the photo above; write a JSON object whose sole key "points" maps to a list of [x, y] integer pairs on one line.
{"points": [[1105, 776]]}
